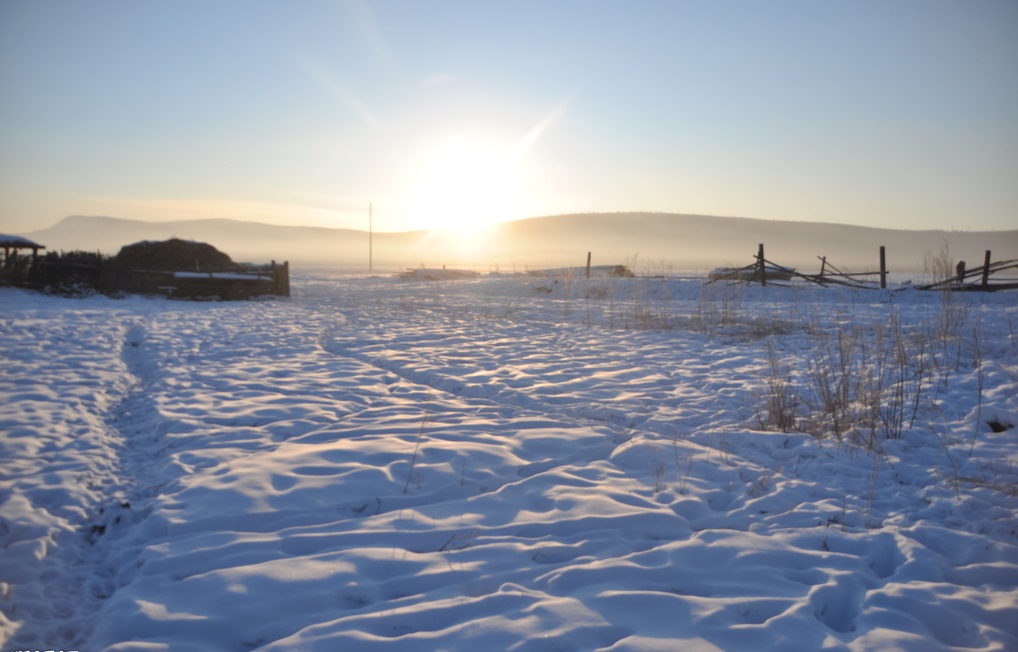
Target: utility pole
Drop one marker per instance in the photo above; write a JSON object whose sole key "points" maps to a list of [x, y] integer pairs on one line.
{"points": [[371, 236]]}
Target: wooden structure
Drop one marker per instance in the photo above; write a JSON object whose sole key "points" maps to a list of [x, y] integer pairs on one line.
{"points": [[190, 270], [15, 266], [979, 279], [173, 268], [245, 282], [760, 272], [976, 279], [831, 275]]}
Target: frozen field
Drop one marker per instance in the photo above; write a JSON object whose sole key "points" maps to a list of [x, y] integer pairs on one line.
{"points": [[510, 463]]}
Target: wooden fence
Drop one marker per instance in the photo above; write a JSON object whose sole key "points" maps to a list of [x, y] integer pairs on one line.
{"points": [[79, 272], [980, 279]]}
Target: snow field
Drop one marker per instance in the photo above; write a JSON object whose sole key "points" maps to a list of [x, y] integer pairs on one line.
{"points": [[507, 463]]}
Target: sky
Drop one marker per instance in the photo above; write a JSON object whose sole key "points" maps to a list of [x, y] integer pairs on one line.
{"points": [[408, 114]]}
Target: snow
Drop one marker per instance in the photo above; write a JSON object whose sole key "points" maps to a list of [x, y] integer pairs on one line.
{"points": [[507, 463], [226, 276], [17, 241]]}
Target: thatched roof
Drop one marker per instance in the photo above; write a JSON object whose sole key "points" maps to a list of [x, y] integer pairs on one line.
{"points": [[173, 255]]}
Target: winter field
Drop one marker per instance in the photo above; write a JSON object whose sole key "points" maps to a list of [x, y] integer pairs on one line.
{"points": [[510, 463]]}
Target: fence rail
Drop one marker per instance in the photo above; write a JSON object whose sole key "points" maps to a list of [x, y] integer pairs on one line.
{"points": [[978, 279]]}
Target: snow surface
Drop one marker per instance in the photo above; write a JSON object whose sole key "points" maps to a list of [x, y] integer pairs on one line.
{"points": [[503, 463]]}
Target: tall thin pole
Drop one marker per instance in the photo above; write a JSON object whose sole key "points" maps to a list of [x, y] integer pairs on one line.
{"points": [[883, 267], [371, 237]]}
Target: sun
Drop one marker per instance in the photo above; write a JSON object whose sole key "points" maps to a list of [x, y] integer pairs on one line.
{"points": [[465, 187]]}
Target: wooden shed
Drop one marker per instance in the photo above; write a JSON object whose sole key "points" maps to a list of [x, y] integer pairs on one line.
{"points": [[15, 265]]}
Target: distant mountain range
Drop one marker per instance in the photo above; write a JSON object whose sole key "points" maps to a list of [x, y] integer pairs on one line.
{"points": [[648, 241]]}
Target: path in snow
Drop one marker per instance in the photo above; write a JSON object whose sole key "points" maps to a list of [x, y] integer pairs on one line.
{"points": [[64, 443]]}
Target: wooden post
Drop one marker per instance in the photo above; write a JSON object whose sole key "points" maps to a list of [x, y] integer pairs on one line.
{"points": [[760, 263], [588, 265], [986, 269], [883, 267], [281, 278], [823, 264]]}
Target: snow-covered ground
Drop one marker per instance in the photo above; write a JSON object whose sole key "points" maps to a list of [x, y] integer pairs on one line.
{"points": [[510, 463]]}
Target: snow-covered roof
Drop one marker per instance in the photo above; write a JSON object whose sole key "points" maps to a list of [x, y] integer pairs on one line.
{"points": [[17, 242]]}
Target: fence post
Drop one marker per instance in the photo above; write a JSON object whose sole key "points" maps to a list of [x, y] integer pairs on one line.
{"points": [[281, 278], [588, 265], [883, 268], [760, 263], [986, 269]]}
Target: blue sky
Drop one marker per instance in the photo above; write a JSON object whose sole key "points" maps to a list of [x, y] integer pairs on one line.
{"points": [[892, 113]]}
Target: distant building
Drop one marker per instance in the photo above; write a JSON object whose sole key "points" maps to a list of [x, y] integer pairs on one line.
{"points": [[15, 267]]}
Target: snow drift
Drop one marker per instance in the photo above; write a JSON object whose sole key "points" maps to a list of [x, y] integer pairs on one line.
{"points": [[498, 463]]}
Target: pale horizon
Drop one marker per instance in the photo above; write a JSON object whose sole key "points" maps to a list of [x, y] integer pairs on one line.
{"points": [[458, 114]]}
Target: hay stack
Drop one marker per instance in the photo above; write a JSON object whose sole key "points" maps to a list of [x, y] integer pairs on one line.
{"points": [[173, 255]]}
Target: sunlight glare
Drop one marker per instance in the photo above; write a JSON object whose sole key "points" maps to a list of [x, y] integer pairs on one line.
{"points": [[467, 187]]}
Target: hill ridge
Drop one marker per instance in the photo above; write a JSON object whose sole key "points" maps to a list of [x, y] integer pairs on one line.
{"points": [[677, 240]]}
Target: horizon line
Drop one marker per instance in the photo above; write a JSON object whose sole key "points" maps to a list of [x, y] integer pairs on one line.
{"points": [[521, 219]]}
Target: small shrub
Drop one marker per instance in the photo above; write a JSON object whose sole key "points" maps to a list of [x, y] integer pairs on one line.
{"points": [[996, 425], [781, 402]]}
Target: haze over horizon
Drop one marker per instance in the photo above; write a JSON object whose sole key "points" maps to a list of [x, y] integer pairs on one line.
{"points": [[649, 243], [457, 114]]}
